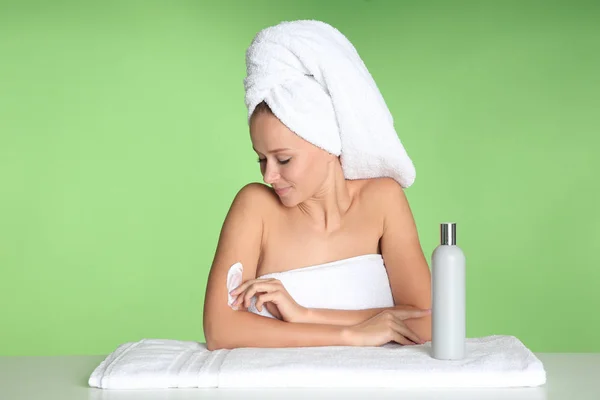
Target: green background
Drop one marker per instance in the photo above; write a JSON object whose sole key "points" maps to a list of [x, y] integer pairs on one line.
{"points": [[123, 140]]}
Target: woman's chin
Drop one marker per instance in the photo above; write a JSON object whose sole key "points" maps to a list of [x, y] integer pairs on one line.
{"points": [[288, 201]]}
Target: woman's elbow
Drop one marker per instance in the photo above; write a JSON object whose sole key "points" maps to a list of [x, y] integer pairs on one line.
{"points": [[218, 336], [212, 338], [220, 344], [212, 345], [214, 342]]}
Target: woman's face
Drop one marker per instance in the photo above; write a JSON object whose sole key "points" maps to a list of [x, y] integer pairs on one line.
{"points": [[295, 168]]}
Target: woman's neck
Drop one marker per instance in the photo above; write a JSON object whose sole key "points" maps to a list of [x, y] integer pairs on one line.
{"points": [[327, 208]]}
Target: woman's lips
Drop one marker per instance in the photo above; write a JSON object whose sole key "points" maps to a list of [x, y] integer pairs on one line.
{"points": [[282, 191]]}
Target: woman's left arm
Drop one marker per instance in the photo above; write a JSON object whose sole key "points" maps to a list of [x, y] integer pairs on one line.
{"points": [[407, 268]]}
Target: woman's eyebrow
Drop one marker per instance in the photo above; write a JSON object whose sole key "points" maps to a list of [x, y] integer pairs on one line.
{"points": [[274, 150]]}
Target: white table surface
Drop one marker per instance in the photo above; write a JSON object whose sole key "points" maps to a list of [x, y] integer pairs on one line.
{"points": [[573, 376]]}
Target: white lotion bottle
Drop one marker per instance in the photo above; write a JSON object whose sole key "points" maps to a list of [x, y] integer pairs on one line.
{"points": [[448, 290]]}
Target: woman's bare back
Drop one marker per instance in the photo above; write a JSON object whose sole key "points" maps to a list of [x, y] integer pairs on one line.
{"points": [[289, 241]]}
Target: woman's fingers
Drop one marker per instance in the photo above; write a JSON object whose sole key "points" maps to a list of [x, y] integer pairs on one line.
{"points": [[274, 310], [406, 332], [264, 298], [256, 287], [241, 288], [398, 338]]}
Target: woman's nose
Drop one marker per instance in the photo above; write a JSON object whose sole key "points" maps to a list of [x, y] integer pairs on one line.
{"points": [[270, 175]]}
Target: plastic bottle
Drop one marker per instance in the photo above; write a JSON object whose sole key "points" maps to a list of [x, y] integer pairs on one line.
{"points": [[448, 287]]}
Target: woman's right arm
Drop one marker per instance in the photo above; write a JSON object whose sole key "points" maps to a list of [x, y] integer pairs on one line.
{"points": [[240, 241]]}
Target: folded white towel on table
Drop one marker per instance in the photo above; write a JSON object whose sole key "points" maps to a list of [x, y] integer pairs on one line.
{"points": [[316, 84], [491, 361], [354, 283], [158, 363]]}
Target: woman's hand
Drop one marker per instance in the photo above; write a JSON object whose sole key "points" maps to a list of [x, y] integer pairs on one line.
{"points": [[385, 327], [271, 294]]}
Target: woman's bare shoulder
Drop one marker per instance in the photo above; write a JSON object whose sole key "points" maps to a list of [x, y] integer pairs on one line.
{"points": [[379, 191], [258, 196]]}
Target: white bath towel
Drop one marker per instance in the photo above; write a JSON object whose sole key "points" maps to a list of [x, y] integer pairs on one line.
{"points": [[354, 283], [315, 82], [492, 361]]}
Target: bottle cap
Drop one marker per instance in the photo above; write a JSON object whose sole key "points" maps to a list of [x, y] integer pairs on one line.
{"points": [[448, 233]]}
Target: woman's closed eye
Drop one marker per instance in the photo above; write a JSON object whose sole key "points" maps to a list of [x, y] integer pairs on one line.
{"points": [[282, 162]]}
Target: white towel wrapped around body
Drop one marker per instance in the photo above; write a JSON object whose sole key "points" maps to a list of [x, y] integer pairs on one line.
{"points": [[355, 283], [361, 282], [316, 84]]}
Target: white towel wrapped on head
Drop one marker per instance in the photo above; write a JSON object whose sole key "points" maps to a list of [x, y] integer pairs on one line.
{"points": [[314, 81]]}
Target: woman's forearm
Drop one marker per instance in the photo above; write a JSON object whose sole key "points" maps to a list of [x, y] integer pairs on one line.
{"points": [[339, 317], [244, 329], [421, 326]]}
